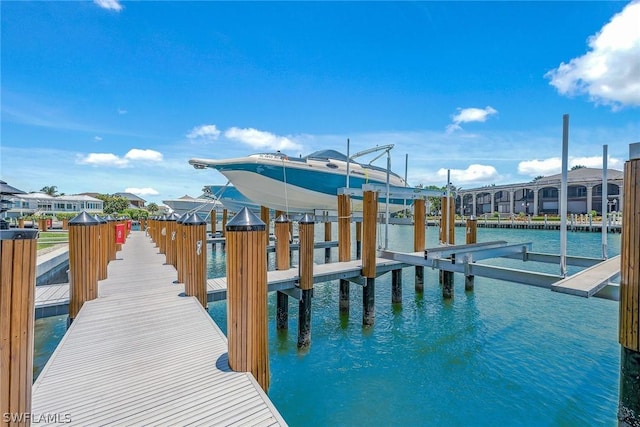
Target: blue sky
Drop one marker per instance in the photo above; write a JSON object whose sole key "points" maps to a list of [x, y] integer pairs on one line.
{"points": [[112, 96]]}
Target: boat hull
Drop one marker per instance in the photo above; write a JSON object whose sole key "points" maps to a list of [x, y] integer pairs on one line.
{"points": [[298, 186]]}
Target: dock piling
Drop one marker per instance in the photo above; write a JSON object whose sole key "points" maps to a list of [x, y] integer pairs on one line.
{"points": [[629, 318], [283, 262], [247, 296], [327, 238], [344, 246], [369, 229], [305, 231], [419, 216], [83, 262], [195, 249], [396, 286], [358, 239], [17, 300], [181, 263]]}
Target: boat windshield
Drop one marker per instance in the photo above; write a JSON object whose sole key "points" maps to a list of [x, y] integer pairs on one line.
{"points": [[325, 155]]}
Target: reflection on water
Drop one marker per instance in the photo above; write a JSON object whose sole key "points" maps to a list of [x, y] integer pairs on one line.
{"points": [[504, 354]]}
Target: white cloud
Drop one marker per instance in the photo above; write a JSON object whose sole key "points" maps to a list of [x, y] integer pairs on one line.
{"points": [[208, 132], [467, 115], [544, 167], [144, 155], [553, 165], [261, 140], [610, 71], [146, 191], [97, 138], [473, 174], [110, 159], [109, 4], [103, 159], [122, 111]]}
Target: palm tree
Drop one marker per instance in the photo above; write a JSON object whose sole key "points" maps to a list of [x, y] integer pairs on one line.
{"points": [[152, 207], [51, 190]]}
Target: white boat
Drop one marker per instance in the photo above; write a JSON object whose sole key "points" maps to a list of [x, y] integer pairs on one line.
{"points": [[305, 184], [190, 204]]}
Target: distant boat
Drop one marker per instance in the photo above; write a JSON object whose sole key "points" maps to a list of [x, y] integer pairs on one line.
{"points": [[304, 184], [190, 204]]}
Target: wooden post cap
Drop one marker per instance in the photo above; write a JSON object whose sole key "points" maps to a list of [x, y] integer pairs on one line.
{"points": [[245, 220], [83, 219]]}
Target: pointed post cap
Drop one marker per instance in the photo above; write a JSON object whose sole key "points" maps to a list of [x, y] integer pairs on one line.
{"points": [[307, 219], [245, 220], [282, 218], [110, 218], [84, 219], [193, 219], [99, 219], [175, 216], [182, 218]]}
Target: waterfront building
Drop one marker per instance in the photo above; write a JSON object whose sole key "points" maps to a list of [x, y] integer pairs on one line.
{"points": [[42, 203], [541, 196], [135, 202]]}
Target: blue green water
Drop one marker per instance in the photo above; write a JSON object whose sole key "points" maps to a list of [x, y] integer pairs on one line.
{"points": [[504, 354]]}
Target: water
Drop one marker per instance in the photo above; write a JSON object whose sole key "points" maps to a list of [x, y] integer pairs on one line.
{"points": [[504, 354]]}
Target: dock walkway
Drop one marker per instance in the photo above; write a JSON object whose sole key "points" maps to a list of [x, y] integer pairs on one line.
{"points": [[53, 300], [142, 354]]}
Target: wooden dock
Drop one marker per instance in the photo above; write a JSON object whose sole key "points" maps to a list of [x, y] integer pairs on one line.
{"points": [[142, 354], [590, 281], [53, 300]]}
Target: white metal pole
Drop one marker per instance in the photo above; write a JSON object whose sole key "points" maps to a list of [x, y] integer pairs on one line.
{"points": [[406, 168], [348, 162], [605, 197], [386, 220], [563, 196], [446, 221]]}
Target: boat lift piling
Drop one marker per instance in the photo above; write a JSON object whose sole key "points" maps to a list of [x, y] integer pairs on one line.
{"points": [[305, 265], [472, 238], [283, 262], [369, 226], [327, 238], [419, 216], [344, 246]]}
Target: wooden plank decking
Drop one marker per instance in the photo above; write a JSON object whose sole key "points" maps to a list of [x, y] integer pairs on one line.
{"points": [[141, 354], [590, 281]]}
